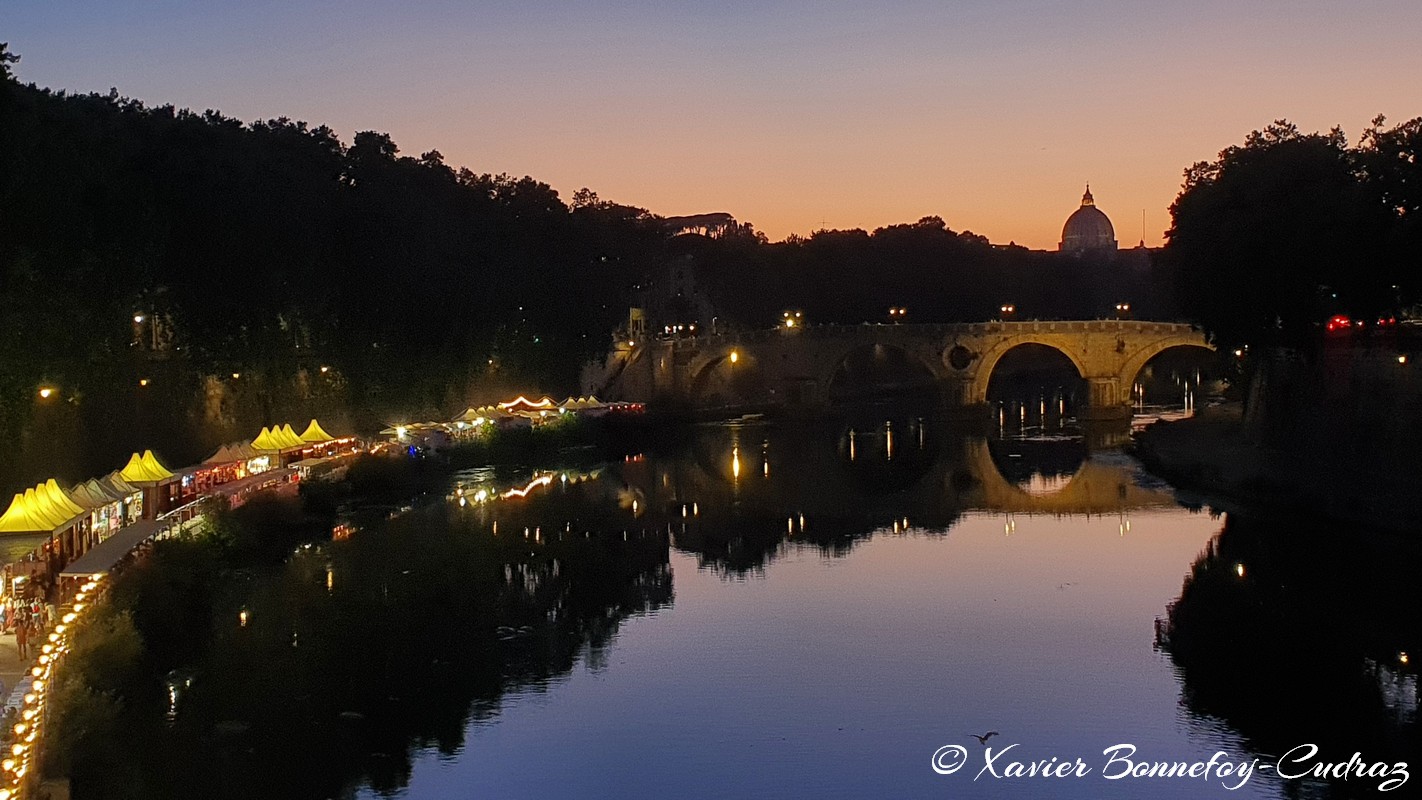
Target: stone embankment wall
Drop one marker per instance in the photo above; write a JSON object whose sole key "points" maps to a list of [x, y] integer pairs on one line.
{"points": [[1337, 434]]}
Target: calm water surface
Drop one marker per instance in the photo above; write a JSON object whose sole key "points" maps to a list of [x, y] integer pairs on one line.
{"points": [[814, 612]]}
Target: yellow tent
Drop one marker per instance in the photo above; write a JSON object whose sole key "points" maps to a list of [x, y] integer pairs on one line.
{"points": [[38, 511], [21, 518], [266, 440], [155, 467], [41, 502], [289, 436], [314, 434], [144, 469], [59, 498]]}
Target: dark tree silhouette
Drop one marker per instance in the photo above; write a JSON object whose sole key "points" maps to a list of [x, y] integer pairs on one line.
{"points": [[1282, 231]]}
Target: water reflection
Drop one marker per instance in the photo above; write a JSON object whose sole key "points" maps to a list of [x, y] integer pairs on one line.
{"points": [[1293, 633], [360, 651], [853, 480], [421, 623]]}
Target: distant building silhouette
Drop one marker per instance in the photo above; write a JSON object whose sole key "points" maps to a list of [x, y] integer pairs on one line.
{"points": [[1088, 229]]}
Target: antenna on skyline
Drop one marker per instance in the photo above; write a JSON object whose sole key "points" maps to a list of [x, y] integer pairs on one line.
{"points": [[1143, 227]]}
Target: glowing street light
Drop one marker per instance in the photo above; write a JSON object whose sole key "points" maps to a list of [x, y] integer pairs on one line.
{"points": [[46, 392], [138, 318], [1122, 309], [1007, 310], [735, 356]]}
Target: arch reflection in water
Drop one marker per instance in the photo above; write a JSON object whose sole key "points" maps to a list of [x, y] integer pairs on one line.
{"points": [[843, 479]]}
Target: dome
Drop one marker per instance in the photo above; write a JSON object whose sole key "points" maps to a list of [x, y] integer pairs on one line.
{"points": [[1088, 228]]}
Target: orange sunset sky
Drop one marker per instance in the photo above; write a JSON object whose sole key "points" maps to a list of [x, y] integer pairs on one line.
{"points": [[790, 115]]}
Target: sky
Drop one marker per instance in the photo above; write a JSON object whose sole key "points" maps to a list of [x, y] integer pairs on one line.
{"points": [[793, 116]]}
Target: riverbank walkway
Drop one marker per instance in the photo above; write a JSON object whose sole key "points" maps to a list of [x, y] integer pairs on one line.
{"points": [[109, 553]]}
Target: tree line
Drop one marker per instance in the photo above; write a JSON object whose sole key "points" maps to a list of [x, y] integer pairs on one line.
{"points": [[1281, 232], [179, 278]]}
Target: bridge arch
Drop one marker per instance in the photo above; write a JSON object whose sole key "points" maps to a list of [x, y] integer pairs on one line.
{"points": [[988, 360], [880, 351], [1137, 359], [733, 376]]}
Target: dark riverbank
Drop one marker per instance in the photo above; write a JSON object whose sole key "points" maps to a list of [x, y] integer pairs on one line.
{"points": [[261, 602], [1210, 453]]}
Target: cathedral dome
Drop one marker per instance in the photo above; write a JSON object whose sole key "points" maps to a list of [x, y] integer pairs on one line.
{"points": [[1088, 228]]}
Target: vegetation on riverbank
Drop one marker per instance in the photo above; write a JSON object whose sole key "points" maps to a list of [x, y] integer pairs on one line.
{"points": [[256, 657], [1210, 453]]}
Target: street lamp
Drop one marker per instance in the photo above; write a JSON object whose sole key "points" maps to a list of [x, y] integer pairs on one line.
{"points": [[896, 313], [46, 392], [1122, 309], [1007, 310], [793, 319]]}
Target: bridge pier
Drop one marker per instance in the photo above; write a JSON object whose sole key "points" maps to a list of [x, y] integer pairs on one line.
{"points": [[1104, 400]]}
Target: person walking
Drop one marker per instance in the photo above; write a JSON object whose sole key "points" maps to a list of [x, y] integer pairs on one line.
{"points": [[22, 632]]}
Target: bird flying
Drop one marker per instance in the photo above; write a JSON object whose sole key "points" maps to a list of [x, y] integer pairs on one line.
{"points": [[983, 739]]}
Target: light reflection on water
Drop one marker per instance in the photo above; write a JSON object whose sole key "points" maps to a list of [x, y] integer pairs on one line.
{"points": [[809, 613], [833, 677], [820, 645]]}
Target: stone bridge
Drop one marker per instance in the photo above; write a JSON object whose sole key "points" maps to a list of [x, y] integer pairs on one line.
{"points": [[793, 367]]}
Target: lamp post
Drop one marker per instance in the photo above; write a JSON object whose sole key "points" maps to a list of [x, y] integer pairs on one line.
{"points": [[1123, 310], [1008, 311]]}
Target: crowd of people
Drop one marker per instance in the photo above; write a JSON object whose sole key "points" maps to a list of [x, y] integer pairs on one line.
{"points": [[27, 619]]}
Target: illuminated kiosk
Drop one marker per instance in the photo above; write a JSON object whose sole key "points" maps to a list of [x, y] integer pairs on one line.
{"points": [[158, 483], [45, 510], [280, 445]]}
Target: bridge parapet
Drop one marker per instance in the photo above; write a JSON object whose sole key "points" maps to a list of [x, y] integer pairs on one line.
{"points": [[960, 328]]}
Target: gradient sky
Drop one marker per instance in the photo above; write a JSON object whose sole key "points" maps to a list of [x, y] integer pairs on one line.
{"points": [[791, 115]]}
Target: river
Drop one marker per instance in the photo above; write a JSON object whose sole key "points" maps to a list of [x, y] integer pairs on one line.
{"points": [[817, 611]]}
